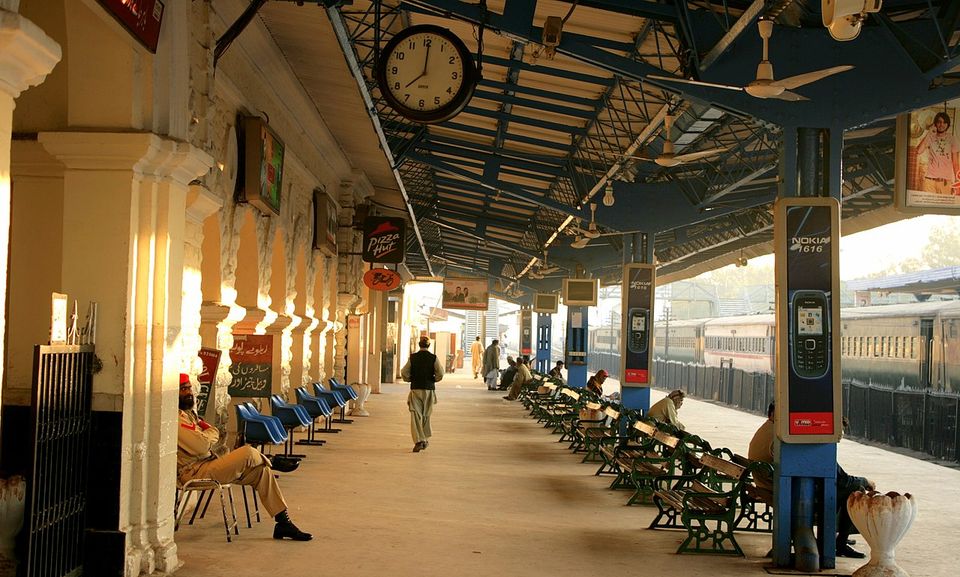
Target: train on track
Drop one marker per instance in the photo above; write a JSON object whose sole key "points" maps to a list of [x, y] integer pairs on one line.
{"points": [[914, 346]]}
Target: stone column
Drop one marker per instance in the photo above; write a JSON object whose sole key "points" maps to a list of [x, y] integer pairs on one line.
{"points": [[123, 246], [27, 55], [349, 266]]}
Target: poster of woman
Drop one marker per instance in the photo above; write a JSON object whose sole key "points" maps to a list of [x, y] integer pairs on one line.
{"points": [[928, 146], [465, 293]]}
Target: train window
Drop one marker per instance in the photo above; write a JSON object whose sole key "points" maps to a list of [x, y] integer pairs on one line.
{"points": [[953, 329]]}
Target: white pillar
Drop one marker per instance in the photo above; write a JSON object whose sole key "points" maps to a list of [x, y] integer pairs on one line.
{"points": [[27, 55]]}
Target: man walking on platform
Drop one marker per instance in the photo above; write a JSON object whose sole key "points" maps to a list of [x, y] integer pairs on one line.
{"points": [[422, 371], [476, 357], [491, 364]]}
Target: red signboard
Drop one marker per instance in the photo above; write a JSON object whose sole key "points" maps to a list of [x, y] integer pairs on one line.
{"points": [[251, 366], [141, 17], [381, 279], [210, 358]]}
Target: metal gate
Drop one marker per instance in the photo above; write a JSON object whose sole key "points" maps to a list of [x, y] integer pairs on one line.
{"points": [[56, 492]]}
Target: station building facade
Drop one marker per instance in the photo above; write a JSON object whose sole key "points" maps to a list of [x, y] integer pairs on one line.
{"points": [[118, 169]]}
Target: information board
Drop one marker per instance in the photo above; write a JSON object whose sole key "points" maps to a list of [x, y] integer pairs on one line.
{"points": [[251, 366], [210, 360], [636, 346]]}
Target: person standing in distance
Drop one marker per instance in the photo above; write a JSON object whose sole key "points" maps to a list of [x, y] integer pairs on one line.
{"points": [[422, 371], [491, 364], [476, 357]]}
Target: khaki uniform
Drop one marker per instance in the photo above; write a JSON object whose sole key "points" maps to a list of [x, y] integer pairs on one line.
{"points": [[244, 466], [666, 412]]}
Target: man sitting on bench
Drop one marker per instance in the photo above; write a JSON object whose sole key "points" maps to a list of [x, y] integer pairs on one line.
{"points": [[665, 410], [197, 459]]}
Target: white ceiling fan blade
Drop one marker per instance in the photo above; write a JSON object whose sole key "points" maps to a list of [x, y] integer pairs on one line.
{"points": [[548, 270], [790, 96], [809, 77], [580, 242], [691, 156], [694, 82]]}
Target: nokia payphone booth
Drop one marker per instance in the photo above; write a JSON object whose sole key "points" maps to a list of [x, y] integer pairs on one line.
{"points": [[808, 413], [545, 305], [579, 294], [526, 331], [636, 359]]}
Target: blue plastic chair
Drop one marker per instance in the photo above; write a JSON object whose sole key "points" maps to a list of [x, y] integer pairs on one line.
{"points": [[332, 400], [257, 428], [291, 416], [337, 386], [342, 398], [317, 407]]}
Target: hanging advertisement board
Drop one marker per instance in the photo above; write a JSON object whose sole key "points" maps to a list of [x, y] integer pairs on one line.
{"points": [[252, 366]]}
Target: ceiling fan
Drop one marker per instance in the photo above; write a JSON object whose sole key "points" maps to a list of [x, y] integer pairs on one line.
{"points": [[591, 231], [764, 85], [668, 158], [543, 268]]}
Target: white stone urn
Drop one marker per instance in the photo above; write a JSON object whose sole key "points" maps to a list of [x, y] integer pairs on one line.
{"points": [[883, 519], [356, 407], [13, 493]]}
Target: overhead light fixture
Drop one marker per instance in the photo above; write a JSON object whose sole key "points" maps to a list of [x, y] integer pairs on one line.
{"points": [[608, 199], [844, 18], [742, 261]]}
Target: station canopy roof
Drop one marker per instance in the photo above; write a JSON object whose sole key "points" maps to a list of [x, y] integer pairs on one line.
{"points": [[547, 134]]}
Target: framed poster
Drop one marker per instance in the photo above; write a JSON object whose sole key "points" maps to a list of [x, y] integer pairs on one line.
{"points": [[261, 165], [466, 293], [210, 361], [927, 175], [325, 223], [251, 366]]}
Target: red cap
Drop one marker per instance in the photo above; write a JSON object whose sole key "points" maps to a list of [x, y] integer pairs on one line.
{"points": [[184, 379], [601, 374]]}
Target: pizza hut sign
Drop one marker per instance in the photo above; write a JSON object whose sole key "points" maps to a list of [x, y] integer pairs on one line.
{"points": [[383, 239]]}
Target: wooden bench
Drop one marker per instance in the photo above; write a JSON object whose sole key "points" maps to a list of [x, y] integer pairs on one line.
{"points": [[638, 442], [591, 434], [706, 504], [756, 500], [666, 457]]}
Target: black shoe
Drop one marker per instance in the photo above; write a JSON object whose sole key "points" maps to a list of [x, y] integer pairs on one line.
{"points": [[283, 464], [418, 447], [425, 445], [848, 551], [851, 541], [287, 530]]}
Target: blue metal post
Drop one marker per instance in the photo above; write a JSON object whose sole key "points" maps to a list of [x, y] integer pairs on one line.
{"points": [[544, 328], [576, 346]]}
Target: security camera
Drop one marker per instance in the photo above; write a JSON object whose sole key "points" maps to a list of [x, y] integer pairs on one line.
{"points": [[843, 18]]}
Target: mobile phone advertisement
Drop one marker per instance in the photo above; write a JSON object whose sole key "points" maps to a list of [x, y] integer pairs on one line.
{"points": [[806, 308], [636, 343]]}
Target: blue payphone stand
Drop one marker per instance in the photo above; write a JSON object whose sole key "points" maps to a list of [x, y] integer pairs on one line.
{"points": [[575, 346], [544, 329]]}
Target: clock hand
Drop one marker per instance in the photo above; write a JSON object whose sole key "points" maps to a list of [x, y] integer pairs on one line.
{"points": [[425, 60], [414, 80]]}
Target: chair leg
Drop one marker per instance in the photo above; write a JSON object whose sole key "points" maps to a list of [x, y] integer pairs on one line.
{"points": [[342, 415], [328, 425], [223, 508], [310, 440], [246, 506], [256, 504], [233, 511], [196, 509], [205, 506]]}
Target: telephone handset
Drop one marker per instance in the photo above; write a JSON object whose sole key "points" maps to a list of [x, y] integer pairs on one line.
{"points": [[638, 324], [810, 334]]}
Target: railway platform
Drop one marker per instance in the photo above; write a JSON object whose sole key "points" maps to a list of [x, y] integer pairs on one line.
{"points": [[495, 494]]}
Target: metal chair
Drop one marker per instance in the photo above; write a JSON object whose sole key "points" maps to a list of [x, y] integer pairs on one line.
{"points": [[201, 486]]}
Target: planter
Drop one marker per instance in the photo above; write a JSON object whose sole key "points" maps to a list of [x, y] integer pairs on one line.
{"points": [[883, 519], [356, 408], [13, 493]]}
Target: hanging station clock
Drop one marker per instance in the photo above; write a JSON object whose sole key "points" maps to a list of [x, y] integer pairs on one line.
{"points": [[426, 74]]}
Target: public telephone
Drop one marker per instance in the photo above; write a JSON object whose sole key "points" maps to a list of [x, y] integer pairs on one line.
{"points": [[810, 334], [638, 323]]}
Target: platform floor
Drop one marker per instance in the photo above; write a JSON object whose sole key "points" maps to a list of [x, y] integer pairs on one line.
{"points": [[496, 495]]}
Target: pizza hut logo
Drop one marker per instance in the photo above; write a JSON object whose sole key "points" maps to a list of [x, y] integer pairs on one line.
{"points": [[383, 239]]}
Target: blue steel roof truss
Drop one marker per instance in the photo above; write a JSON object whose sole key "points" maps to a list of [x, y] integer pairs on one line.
{"points": [[505, 178]]}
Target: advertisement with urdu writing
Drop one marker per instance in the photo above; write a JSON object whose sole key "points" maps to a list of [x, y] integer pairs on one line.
{"points": [[252, 366], [928, 160], [466, 293], [210, 361], [638, 300], [808, 406]]}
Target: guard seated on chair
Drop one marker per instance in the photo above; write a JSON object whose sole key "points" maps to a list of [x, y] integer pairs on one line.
{"points": [[199, 458]]}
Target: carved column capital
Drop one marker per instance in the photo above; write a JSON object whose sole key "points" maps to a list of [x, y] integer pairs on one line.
{"points": [[27, 54]]}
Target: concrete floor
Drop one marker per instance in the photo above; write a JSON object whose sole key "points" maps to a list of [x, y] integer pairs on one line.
{"points": [[496, 495]]}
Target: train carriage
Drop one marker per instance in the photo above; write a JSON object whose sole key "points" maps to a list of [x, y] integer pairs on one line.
{"points": [[741, 342], [680, 341]]}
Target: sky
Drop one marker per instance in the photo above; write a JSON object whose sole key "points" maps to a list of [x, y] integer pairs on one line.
{"points": [[876, 249]]}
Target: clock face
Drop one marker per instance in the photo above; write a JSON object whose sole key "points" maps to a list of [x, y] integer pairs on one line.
{"points": [[426, 74]]}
